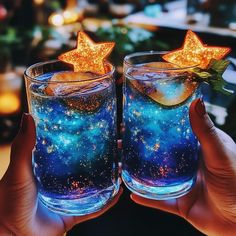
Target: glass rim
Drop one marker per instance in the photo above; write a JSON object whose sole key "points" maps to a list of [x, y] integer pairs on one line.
{"points": [[96, 77], [146, 53]]}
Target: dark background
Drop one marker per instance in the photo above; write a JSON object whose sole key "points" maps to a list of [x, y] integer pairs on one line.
{"points": [[130, 219]]}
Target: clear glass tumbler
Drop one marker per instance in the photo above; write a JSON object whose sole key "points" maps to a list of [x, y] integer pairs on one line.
{"points": [[75, 157], [160, 151]]}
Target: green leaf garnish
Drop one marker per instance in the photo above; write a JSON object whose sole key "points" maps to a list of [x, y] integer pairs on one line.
{"points": [[202, 74], [219, 66], [213, 75]]}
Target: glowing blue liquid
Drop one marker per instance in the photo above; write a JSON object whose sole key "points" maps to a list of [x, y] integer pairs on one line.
{"points": [[160, 151], [74, 160]]}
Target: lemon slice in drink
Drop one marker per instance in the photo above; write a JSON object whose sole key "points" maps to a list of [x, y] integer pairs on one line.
{"points": [[164, 83], [79, 90], [62, 83]]}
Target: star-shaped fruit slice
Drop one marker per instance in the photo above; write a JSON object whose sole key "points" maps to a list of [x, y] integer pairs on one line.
{"points": [[88, 55], [195, 53]]}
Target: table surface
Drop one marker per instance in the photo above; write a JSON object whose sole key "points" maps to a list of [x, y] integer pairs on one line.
{"points": [[4, 158], [176, 19]]}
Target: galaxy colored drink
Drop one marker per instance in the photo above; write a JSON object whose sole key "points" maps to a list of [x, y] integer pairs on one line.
{"points": [[74, 161], [159, 149]]}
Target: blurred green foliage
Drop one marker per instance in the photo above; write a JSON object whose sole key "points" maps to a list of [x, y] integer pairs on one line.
{"points": [[129, 40]]}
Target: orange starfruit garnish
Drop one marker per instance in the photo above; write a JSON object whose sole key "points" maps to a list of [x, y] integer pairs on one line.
{"points": [[88, 55], [195, 53]]}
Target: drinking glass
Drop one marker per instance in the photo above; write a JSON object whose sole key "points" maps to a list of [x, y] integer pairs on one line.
{"points": [[75, 157], [159, 148]]}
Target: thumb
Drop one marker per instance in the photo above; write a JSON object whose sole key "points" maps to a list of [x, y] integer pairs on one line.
{"points": [[18, 185], [20, 167], [215, 144]]}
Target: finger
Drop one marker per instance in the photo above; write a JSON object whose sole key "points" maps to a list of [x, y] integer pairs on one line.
{"points": [[184, 206], [211, 139], [69, 222], [20, 167]]}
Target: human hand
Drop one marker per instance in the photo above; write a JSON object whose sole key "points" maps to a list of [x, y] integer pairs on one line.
{"points": [[211, 205], [20, 211]]}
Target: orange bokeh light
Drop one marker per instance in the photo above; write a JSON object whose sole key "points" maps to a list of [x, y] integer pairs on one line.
{"points": [[9, 103], [195, 53], [88, 56]]}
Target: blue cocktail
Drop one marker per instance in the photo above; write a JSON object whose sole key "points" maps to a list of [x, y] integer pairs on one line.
{"points": [[159, 149], [74, 161]]}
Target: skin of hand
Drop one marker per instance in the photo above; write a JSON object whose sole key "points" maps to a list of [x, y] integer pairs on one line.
{"points": [[211, 205], [20, 211]]}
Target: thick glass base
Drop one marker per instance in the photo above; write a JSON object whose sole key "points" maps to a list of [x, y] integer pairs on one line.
{"points": [[157, 193], [82, 206]]}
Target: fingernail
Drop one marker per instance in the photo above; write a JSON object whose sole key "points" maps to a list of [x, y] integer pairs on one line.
{"points": [[24, 123], [200, 107]]}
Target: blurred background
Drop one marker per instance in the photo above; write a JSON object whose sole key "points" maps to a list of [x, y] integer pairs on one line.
{"points": [[39, 30]]}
